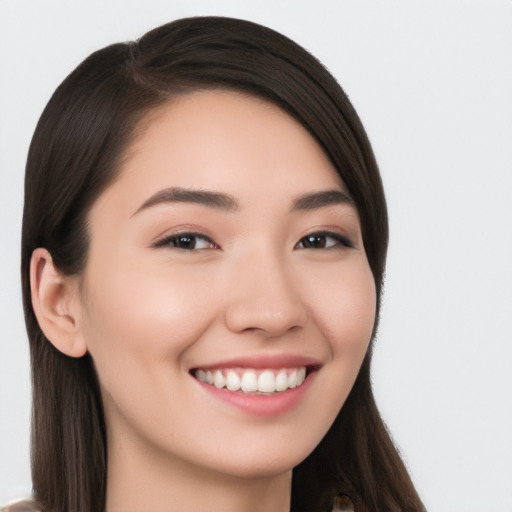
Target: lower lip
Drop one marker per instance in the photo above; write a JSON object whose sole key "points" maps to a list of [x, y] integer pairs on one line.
{"points": [[262, 405]]}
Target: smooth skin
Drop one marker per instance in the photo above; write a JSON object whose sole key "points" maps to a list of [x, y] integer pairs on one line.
{"points": [[173, 284]]}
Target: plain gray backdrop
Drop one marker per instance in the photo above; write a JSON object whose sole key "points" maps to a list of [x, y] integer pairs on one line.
{"points": [[432, 82]]}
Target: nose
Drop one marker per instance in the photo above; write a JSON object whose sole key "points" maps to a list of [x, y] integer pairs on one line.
{"points": [[263, 297]]}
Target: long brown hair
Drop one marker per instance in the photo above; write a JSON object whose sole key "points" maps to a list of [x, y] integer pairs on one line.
{"points": [[75, 153]]}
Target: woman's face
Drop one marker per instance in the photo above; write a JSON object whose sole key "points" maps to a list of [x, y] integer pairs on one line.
{"points": [[228, 250]]}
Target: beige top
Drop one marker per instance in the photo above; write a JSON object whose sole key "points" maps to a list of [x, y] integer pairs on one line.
{"points": [[342, 503], [23, 505]]}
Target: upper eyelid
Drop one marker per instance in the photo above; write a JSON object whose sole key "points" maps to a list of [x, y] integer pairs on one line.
{"points": [[332, 232], [162, 240], [343, 238]]}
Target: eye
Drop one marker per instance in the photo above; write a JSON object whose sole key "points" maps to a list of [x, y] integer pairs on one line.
{"points": [[323, 240], [187, 241]]}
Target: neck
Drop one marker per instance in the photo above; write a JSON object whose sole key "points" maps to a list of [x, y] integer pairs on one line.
{"points": [[137, 480]]}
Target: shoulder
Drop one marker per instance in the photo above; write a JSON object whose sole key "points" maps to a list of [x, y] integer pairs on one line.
{"points": [[21, 505]]}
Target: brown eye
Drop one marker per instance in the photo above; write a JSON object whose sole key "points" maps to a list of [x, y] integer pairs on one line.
{"points": [[323, 241], [187, 241], [184, 242], [314, 242]]}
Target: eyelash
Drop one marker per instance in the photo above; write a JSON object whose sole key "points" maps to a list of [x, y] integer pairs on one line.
{"points": [[173, 239], [339, 240], [192, 238]]}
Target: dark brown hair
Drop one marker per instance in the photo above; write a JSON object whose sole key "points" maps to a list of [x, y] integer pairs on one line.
{"points": [[75, 153]]}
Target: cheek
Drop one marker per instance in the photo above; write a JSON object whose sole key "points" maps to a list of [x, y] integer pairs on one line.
{"points": [[344, 309], [135, 315], [345, 314]]}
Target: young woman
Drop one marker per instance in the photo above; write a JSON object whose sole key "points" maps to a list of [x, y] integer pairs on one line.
{"points": [[204, 241]]}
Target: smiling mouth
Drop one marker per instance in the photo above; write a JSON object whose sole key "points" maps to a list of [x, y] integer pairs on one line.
{"points": [[252, 381]]}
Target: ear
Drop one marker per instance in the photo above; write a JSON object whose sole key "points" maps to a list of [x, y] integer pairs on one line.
{"points": [[56, 304]]}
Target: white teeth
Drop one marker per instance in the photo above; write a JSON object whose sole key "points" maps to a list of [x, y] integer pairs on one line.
{"points": [[233, 381], [292, 379], [281, 381], [267, 382], [248, 381], [218, 379]]}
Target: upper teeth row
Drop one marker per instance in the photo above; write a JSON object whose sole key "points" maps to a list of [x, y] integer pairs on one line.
{"points": [[247, 381]]}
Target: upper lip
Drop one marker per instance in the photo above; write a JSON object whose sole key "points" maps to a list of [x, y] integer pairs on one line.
{"points": [[261, 361]]}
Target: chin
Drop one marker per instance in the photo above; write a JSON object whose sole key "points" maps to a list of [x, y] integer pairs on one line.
{"points": [[265, 467]]}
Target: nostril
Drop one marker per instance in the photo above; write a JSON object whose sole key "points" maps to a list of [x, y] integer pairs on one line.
{"points": [[269, 317]]}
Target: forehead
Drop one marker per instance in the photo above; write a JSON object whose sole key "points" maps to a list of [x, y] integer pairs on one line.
{"points": [[224, 140]]}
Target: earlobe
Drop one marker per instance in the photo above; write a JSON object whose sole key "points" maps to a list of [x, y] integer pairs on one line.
{"points": [[56, 305]]}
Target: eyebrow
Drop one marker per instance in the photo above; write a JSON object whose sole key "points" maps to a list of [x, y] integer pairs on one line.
{"points": [[216, 200], [227, 203], [321, 199]]}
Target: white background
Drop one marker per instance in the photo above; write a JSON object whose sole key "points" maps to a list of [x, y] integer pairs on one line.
{"points": [[432, 81]]}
